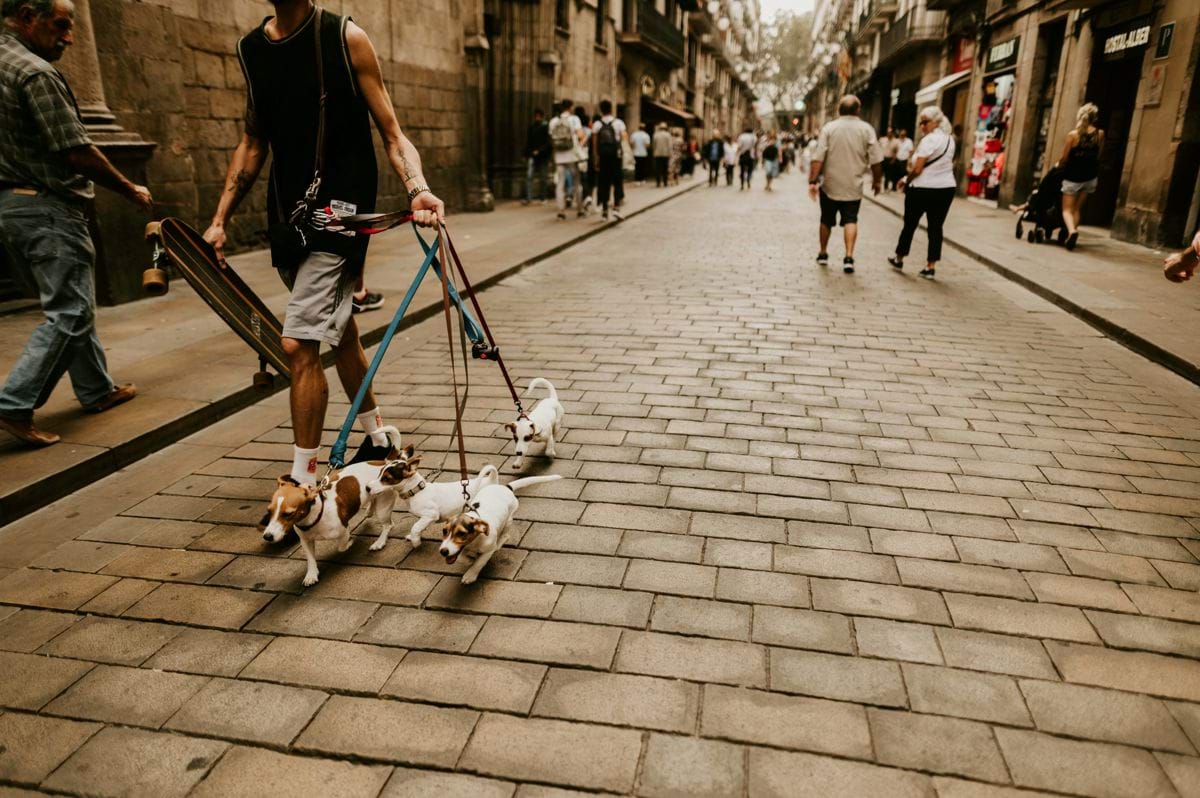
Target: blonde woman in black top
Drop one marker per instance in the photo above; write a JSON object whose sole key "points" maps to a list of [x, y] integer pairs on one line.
{"points": [[1080, 162]]}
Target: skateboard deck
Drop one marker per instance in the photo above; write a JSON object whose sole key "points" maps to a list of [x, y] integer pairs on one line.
{"points": [[221, 287]]}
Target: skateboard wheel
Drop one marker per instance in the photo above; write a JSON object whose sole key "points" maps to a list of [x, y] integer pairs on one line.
{"points": [[154, 282], [263, 380], [152, 229]]}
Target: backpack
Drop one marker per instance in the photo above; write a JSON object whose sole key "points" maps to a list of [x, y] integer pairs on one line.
{"points": [[607, 143], [561, 136]]}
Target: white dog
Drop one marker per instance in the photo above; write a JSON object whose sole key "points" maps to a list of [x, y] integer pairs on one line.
{"points": [[429, 501], [482, 529], [542, 425], [326, 514]]}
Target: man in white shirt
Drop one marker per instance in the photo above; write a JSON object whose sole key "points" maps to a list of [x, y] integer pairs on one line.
{"points": [[640, 141], [747, 146], [846, 149], [566, 135], [904, 151], [608, 133]]}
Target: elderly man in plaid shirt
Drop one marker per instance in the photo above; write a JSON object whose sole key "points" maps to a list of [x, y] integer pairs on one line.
{"points": [[47, 163]]}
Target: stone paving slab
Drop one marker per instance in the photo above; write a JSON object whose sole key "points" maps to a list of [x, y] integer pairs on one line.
{"points": [[819, 535]]}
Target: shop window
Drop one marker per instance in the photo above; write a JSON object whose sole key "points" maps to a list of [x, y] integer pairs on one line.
{"points": [[991, 135]]}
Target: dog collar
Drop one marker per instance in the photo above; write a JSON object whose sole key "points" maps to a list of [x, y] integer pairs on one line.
{"points": [[408, 494], [304, 528]]}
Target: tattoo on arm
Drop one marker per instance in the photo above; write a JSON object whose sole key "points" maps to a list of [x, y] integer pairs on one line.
{"points": [[410, 171], [240, 183]]}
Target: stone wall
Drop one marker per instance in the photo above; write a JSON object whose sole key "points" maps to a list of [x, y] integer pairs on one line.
{"points": [[171, 73]]}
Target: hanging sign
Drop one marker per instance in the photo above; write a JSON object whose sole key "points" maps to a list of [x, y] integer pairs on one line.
{"points": [[1165, 34], [1003, 55]]}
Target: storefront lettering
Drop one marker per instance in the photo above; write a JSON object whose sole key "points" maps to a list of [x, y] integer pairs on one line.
{"points": [[1003, 54], [1123, 41]]}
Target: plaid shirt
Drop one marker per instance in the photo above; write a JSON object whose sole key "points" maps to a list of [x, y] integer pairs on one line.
{"points": [[39, 119]]}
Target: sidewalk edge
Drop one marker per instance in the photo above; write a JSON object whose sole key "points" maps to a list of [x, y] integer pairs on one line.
{"points": [[1111, 329], [35, 496]]}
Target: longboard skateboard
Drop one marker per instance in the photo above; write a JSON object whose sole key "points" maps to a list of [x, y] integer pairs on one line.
{"points": [[219, 285]]}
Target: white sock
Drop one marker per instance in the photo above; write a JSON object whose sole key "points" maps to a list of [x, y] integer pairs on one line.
{"points": [[304, 465], [371, 423]]}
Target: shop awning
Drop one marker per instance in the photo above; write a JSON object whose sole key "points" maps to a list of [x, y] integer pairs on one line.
{"points": [[930, 93], [678, 114]]}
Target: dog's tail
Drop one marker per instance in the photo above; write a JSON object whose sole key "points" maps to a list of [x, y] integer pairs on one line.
{"points": [[517, 484], [542, 382], [393, 436], [489, 475]]}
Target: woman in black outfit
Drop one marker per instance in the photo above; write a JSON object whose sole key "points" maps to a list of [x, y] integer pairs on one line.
{"points": [[928, 188], [1081, 168]]}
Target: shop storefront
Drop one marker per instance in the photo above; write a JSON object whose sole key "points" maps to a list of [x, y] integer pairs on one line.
{"points": [[992, 119]]}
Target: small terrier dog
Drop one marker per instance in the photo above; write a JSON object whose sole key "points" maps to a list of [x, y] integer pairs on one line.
{"points": [[316, 514], [429, 501], [542, 425], [481, 529]]}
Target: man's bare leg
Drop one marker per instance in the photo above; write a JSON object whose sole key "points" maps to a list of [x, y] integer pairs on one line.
{"points": [[351, 362], [309, 393], [825, 232], [850, 232]]}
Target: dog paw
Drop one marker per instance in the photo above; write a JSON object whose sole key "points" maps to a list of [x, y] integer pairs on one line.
{"points": [[377, 545], [310, 579], [416, 542], [469, 578]]}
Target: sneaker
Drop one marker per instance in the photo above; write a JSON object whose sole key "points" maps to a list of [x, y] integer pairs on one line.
{"points": [[848, 265], [928, 274], [370, 301], [620, 217], [822, 258], [896, 261], [117, 396]]}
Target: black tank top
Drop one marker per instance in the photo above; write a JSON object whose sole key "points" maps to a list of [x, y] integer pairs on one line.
{"points": [[1083, 161], [284, 94]]}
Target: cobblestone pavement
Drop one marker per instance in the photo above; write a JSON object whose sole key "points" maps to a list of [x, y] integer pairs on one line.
{"points": [[819, 535]]}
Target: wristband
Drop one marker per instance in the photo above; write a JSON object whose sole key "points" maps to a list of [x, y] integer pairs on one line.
{"points": [[418, 190]]}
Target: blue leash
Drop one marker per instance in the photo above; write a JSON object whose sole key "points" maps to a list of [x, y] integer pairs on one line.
{"points": [[337, 455]]}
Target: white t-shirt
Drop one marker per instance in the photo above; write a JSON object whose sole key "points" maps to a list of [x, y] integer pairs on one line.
{"points": [[617, 124], [904, 149], [641, 143], [566, 156], [731, 153], [746, 142], [937, 173]]}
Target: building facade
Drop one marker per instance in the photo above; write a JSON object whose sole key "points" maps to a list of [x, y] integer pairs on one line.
{"points": [[1012, 75]]}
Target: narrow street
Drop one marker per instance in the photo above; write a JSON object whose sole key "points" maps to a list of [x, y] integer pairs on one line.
{"points": [[818, 535]]}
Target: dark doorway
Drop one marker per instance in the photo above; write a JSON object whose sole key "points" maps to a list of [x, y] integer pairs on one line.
{"points": [[1112, 86]]}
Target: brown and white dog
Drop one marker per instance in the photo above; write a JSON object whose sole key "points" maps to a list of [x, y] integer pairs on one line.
{"points": [[429, 501], [544, 424], [481, 529], [315, 514]]}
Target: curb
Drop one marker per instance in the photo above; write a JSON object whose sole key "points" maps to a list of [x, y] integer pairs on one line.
{"points": [[37, 495], [1122, 335]]}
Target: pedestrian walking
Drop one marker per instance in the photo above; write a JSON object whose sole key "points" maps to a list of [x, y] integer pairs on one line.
{"points": [[928, 189], [846, 149], [537, 156], [889, 145], [1080, 162], [566, 137], [730, 159], [746, 144], [305, 111], [47, 165], [714, 149], [640, 144], [662, 154], [904, 151], [770, 159], [678, 151], [608, 133], [583, 157]]}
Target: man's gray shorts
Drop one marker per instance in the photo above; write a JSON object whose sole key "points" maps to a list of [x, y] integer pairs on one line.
{"points": [[322, 298]]}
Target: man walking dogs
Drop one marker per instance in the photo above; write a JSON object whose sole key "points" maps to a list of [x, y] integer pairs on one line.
{"points": [[846, 148], [313, 84], [47, 163]]}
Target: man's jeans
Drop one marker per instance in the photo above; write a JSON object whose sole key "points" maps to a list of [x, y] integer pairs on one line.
{"points": [[48, 243], [560, 190], [535, 168]]}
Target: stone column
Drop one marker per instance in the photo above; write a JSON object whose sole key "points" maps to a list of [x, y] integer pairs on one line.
{"points": [[475, 138], [116, 224]]}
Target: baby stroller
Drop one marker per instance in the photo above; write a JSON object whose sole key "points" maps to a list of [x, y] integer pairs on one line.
{"points": [[1043, 209]]}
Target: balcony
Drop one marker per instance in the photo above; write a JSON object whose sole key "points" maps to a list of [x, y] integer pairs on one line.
{"points": [[911, 32], [654, 36], [875, 16]]}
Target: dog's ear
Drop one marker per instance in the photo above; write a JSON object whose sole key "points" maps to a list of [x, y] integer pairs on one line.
{"points": [[310, 492], [482, 527], [409, 451], [512, 430], [413, 462], [286, 479]]}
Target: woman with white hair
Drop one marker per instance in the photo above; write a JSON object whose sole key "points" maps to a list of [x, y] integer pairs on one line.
{"points": [[1080, 163], [928, 189]]}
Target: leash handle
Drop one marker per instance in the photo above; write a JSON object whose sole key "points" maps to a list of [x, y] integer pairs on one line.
{"points": [[337, 455]]}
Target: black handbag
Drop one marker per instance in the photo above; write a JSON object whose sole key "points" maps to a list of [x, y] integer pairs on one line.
{"points": [[290, 239]]}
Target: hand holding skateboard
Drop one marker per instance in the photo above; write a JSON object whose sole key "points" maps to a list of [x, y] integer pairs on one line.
{"points": [[215, 235]]}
